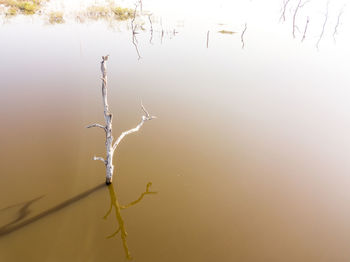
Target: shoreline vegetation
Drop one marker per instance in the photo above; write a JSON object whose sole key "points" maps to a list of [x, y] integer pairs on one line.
{"points": [[12, 8]]}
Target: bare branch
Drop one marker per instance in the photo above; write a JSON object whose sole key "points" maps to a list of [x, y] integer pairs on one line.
{"points": [[97, 125], [100, 158], [144, 118], [323, 27], [145, 111], [242, 35]]}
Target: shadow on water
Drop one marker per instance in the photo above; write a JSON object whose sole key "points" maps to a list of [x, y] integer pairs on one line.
{"points": [[19, 221], [16, 223], [117, 207]]}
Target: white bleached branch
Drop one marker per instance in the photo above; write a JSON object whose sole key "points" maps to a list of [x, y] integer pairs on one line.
{"points": [[100, 158], [96, 125], [110, 147], [144, 118]]}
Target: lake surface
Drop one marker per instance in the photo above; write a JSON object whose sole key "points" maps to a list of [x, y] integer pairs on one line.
{"points": [[249, 155]]}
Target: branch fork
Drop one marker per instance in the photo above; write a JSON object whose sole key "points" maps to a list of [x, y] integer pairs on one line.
{"points": [[111, 145]]}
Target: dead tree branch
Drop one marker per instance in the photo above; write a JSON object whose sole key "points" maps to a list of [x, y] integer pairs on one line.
{"points": [[96, 125], [110, 147], [144, 118], [100, 158]]}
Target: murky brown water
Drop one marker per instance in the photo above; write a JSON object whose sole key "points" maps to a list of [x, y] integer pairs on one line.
{"points": [[248, 156]]}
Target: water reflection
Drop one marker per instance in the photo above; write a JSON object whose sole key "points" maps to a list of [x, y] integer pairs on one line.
{"points": [[134, 32], [117, 207], [242, 35]]}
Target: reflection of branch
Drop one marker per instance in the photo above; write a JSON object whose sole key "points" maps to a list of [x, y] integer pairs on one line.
{"points": [[116, 232], [133, 28], [338, 22], [147, 192], [9, 228], [283, 15], [150, 21], [306, 26], [323, 27], [123, 233], [162, 35], [134, 42], [118, 207], [140, 5], [300, 5], [242, 35], [208, 38]]}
